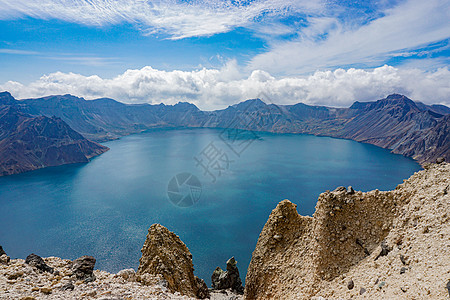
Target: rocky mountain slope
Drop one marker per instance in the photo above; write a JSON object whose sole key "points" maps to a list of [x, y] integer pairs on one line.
{"points": [[374, 245], [105, 119], [33, 142], [397, 123]]}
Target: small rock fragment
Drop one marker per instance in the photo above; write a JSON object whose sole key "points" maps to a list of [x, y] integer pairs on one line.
{"points": [[340, 189], [46, 290], [448, 287], [403, 260], [4, 259], [127, 274], [350, 190], [68, 286], [381, 284], [402, 270], [359, 243], [83, 268], [350, 284], [440, 160], [278, 237], [385, 249], [2, 251], [362, 291], [37, 262], [202, 288]]}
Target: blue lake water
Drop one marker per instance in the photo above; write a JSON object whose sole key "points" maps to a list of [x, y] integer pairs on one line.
{"points": [[104, 208]]}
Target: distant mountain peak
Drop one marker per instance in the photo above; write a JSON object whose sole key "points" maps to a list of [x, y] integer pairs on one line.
{"points": [[390, 101], [185, 106], [250, 104], [6, 98], [397, 97]]}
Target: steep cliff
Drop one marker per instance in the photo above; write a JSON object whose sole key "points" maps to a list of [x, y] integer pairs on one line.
{"points": [[377, 244]]}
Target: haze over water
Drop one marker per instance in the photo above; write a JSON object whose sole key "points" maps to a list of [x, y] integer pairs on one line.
{"points": [[105, 207]]}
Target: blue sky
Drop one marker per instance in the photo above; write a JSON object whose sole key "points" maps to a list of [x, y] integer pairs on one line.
{"points": [[215, 53]]}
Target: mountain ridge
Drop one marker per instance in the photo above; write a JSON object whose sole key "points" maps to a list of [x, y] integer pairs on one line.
{"points": [[32, 142], [396, 122]]}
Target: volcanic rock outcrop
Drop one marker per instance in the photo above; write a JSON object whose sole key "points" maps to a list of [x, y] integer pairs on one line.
{"points": [[229, 279], [392, 244], [164, 254]]}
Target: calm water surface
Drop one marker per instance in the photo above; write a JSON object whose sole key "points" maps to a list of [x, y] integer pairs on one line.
{"points": [[105, 207]]}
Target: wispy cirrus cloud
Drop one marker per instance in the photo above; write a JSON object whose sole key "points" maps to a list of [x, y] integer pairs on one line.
{"points": [[328, 42], [88, 60], [218, 88], [18, 52], [177, 19]]}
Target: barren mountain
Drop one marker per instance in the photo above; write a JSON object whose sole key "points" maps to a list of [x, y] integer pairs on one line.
{"points": [[397, 123], [29, 143]]}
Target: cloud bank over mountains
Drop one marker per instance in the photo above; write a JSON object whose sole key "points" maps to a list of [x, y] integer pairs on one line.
{"points": [[217, 88]]}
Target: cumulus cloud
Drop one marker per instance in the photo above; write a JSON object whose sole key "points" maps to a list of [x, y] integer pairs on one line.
{"points": [[178, 19], [217, 88], [329, 42]]}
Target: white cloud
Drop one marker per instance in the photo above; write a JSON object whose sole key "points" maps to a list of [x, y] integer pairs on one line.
{"points": [[18, 52], [328, 43], [176, 18], [218, 88]]}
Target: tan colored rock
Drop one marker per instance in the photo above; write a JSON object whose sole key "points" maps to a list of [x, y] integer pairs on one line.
{"points": [[165, 254], [392, 244]]}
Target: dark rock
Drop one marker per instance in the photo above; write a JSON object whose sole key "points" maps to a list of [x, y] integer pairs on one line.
{"points": [[202, 288], [350, 284], [233, 273], [4, 259], [448, 287], [2, 251], [350, 190], [359, 243], [402, 270], [218, 279], [362, 291], [403, 260], [340, 189], [440, 160], [83, 268], [37, 262], [385, 249], [68, 286], [228, 279]]}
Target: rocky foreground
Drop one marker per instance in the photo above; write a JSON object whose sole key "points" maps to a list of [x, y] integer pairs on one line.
{"points": [[165, 271], [374, 245]]}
